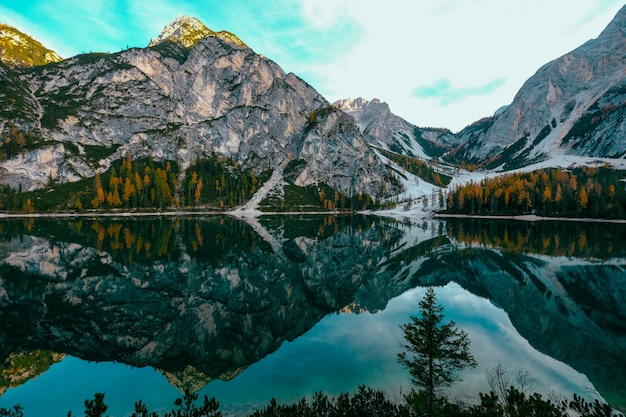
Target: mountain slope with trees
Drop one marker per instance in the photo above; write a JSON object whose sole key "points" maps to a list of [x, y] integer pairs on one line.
{"points": [[180, 101]]}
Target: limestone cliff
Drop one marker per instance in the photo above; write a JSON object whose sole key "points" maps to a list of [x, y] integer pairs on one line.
{"points": [[192, 93], [572, 105]]}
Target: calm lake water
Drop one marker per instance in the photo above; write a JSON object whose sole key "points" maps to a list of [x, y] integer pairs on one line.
{"points": [[287, 306]]}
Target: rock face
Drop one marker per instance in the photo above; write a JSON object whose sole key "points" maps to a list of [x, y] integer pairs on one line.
{"points": [[177, 102], [573, 105], [384, 129]]}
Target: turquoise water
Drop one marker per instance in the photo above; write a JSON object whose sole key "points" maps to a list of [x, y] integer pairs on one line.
{"points": [[337, 355], [275, 310]]}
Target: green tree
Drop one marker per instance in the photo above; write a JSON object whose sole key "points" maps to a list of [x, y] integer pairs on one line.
{"points": [[434, 351], [16, 411], [95, 407], [188, 408]]}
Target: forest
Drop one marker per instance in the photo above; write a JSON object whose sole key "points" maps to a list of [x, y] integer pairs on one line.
{"points": [[596, 192], [214, 184]]}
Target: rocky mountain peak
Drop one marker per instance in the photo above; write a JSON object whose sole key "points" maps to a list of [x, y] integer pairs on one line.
{"points": [[384, 129], [18, 49], [188, 31], [617, 27], [352, 104], [573, 105]]}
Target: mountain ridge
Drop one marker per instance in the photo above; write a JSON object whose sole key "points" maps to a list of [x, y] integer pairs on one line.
{"points": [[383, 128], [183, 104], [17, 49], [194, 93], [566, 107]]}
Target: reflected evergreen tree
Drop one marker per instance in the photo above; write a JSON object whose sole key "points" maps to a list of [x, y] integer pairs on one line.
{"points": [[15, 411], [434, 352], [95, 407], [188, 408]]}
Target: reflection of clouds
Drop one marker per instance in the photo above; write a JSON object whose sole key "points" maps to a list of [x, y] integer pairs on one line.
{"points": [[495, 340], [344, 351], [371, 341]]}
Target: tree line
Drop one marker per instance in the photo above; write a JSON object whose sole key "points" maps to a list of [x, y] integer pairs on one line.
{"points": [[220, 183], [596, 192], [213, 183], [132, 184]]}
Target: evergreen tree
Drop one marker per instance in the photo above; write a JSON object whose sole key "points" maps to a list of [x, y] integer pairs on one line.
{"points": [[434, 351], [96, 407]]}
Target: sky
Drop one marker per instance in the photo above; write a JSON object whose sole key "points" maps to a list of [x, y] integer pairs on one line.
{"points": [[437, 63]]}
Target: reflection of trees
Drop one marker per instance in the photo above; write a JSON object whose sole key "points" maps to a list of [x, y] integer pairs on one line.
{"points": [[220, 298], [131, 241], [571, 239], [225, 300]]}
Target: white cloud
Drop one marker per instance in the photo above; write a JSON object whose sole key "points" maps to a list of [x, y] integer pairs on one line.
{"points": [[351, 48], [405, 45]]}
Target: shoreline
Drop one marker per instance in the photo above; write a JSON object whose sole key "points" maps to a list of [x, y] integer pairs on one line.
{"points": [[527, 218], [130, 214], [246, 214]]}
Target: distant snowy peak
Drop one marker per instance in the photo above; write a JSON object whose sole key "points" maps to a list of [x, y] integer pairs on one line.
{"points": [[384, 129], [188, 31], [353, 104]]}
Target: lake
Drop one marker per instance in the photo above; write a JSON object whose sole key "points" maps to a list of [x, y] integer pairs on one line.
{"points": [[285, 306]]}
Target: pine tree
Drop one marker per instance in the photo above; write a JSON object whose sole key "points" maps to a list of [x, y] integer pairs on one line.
{"points": [[99, 190], [96, 407], [434, 350], [583, 198], [129, 190], [198, 192]]}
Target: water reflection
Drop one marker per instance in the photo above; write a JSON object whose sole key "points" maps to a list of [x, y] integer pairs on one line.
{"points": [[550, 238], [202, 299]]}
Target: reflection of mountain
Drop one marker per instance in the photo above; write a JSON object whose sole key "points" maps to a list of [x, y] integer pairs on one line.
{"points": [[203, 298], [214, 297], [571, 309], [18, 368]]}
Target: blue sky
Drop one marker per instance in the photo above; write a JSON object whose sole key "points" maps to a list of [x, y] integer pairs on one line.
{"points": [[439, 63]]}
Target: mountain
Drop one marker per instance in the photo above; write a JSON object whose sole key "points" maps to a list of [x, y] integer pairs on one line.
{"points": [[188, 31], [192, 94], [195, 94], [384, 129], [18, 49], [574, 105]]}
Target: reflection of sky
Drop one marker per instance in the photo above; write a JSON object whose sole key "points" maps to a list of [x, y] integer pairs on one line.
{"points": [[340, 353], [66, 386]]}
